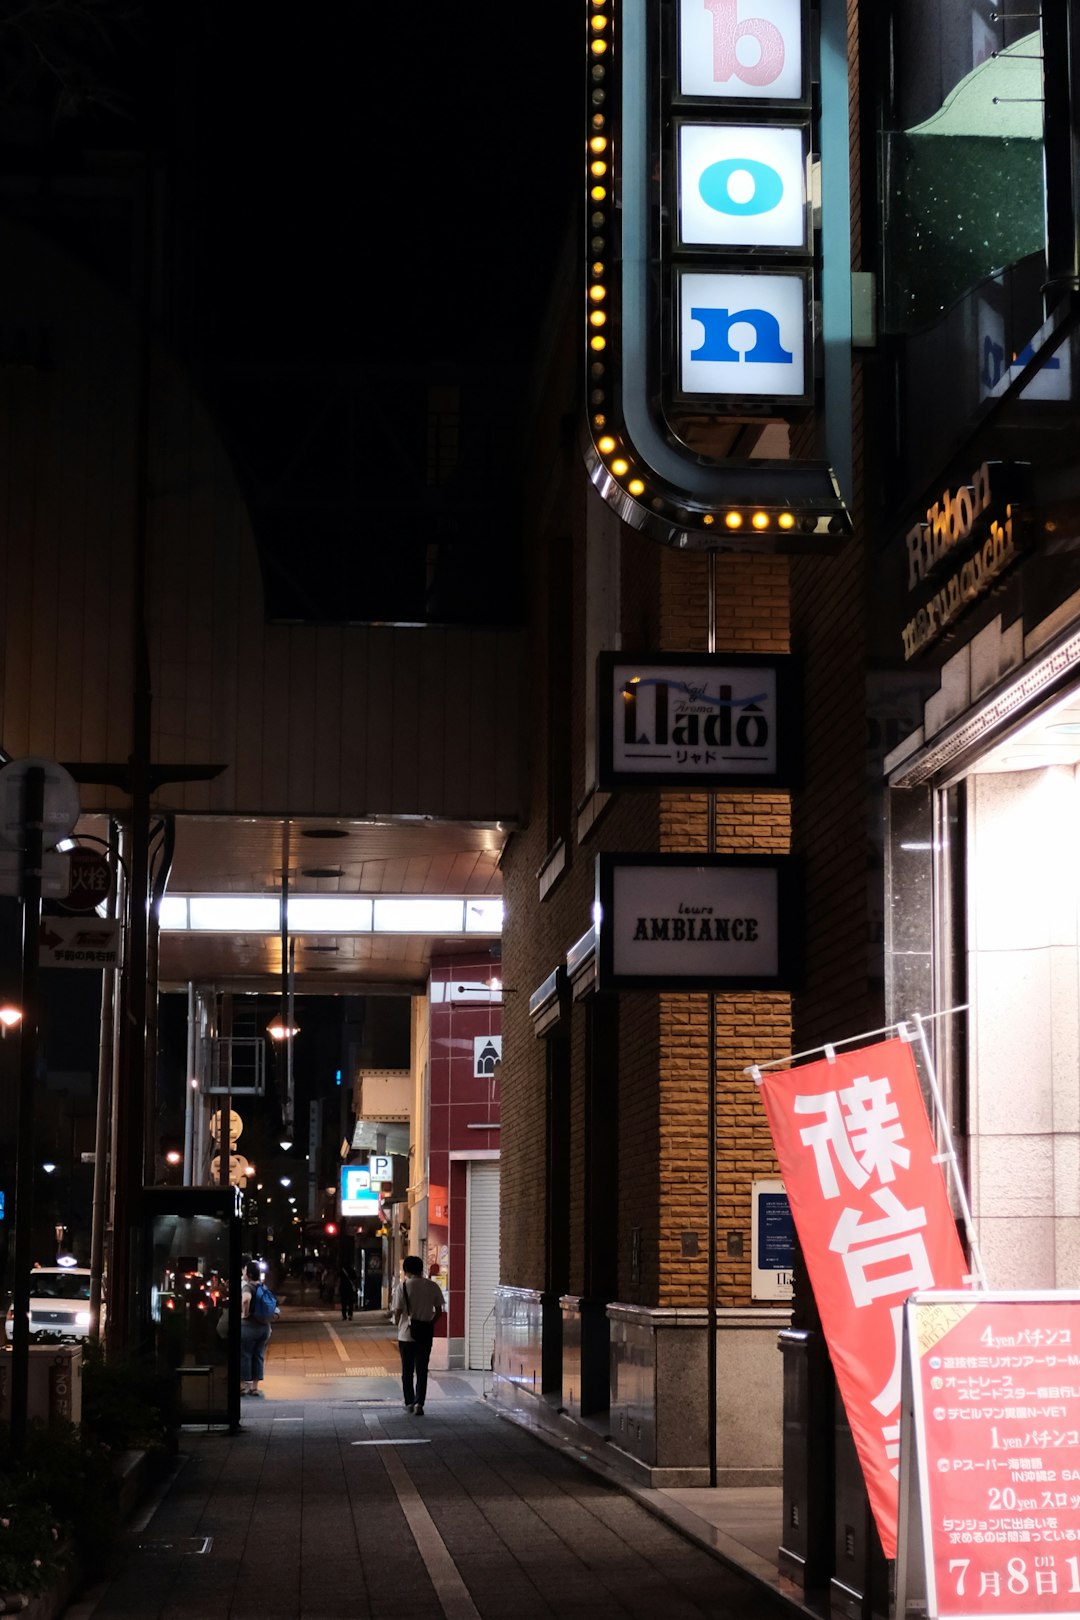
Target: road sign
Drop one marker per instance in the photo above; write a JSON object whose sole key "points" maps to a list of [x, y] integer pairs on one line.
{"points": [[90, 881], [72, 942], [55, 876], [61, 801]]}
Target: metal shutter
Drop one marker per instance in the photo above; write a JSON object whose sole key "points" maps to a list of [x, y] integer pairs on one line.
{"points": [[481, 1262]]}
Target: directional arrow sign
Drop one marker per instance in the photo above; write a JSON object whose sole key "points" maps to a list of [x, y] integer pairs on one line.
{"points": [[75, 942]]}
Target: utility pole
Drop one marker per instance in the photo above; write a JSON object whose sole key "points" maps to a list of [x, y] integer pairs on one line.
{"points": [[33, 851]]}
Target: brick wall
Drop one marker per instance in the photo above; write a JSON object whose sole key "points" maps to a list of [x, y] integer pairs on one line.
{"points": [[663, 1044], [663, 1039]]}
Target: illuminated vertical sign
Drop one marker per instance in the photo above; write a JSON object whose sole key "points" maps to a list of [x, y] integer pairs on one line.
{"points": [[743, 333], [718, 154]]}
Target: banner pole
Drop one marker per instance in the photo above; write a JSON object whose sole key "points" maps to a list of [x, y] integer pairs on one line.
{"points": [[949, 1156], [754, 1069]]}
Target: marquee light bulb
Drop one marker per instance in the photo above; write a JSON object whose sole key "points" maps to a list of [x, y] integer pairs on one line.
{"points": [[598, 342], [733, 520], [636, 487], [598, 193], [620, 467], [606, 445], [760, 520]]}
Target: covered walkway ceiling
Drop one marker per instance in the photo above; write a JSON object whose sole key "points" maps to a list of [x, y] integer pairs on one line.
{"points": [[376, 859]]}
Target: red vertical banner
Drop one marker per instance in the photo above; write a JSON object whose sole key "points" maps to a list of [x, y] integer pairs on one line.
{"points": [[872, 1212]]}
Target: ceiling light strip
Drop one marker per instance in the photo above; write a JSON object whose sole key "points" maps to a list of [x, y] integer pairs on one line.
{"points": [[338, 914]]}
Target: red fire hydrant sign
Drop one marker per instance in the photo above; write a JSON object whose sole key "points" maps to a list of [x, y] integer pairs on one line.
{"points": [[990, 1470]]}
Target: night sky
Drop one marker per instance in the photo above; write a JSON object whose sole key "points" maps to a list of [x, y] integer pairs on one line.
{"points": [[354, 200], [383, 180]]}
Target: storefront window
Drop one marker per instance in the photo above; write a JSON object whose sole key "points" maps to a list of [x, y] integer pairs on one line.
{"points": [[962, 162]]}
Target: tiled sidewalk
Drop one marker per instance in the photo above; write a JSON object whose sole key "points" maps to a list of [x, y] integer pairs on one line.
{"points": [[333, 1503], [348, 1508]]}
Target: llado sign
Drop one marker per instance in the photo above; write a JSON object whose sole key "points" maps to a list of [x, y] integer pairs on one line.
{"points": [[686, 720], [689, 922], [748, 49]]}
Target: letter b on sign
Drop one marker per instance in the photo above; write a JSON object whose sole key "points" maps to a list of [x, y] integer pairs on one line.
{"points": [[745, 48]]}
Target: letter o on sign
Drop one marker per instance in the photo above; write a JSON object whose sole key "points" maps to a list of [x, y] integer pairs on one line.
{"points": [[715, 187]]}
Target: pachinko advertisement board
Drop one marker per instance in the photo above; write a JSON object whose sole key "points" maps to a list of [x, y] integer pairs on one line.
{"points": [[991, 1519], [875, 1225]]}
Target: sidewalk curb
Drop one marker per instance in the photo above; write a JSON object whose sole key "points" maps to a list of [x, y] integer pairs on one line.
{"points": [[688, 1524]]}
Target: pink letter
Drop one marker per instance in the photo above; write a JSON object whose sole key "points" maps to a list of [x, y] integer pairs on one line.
{"points": [[728, 30]]}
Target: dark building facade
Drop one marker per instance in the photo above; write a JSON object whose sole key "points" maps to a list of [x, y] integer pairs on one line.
{"points": [[937, 652]]}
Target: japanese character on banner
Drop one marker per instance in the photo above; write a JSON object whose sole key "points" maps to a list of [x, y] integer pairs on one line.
{"points": [[875, 1224]]}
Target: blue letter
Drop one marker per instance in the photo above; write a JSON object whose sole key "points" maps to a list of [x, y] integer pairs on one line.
{"points": [[715, 186], [767, 349]]}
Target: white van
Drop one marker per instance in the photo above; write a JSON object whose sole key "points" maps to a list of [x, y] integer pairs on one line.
{"points": [[59, 1304]]}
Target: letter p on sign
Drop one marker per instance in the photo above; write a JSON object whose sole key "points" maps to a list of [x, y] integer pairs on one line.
{"points": [[741, 48]]}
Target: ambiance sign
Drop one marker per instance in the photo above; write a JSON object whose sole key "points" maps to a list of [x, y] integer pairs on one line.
{"points": [[684, 720], [696, 922]]}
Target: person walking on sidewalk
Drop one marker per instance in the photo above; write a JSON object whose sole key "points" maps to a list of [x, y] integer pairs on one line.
{"points": [[416, 1307], [257, 1309], [347, 1291]]}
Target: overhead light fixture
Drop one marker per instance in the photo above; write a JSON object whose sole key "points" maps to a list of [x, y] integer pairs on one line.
{"points": [[9, 1016], [285, 1144], [48, 1167]]}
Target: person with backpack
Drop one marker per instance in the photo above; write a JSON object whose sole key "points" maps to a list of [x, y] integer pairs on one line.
{"points": [[258, 1308]]}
